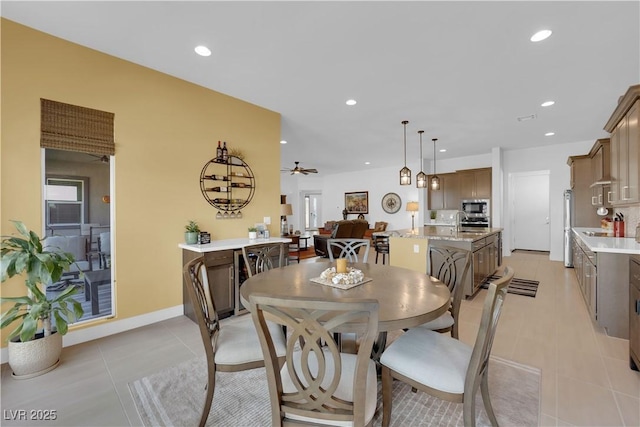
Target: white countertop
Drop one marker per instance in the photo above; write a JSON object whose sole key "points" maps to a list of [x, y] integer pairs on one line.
{"points": [[223, 245], [614, 245], [442, 233]]}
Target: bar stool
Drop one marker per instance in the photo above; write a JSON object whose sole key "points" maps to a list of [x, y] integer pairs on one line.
{"points": [[381, 245]]}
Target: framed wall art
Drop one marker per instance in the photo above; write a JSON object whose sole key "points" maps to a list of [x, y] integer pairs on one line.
{"points": [[357, 202]]}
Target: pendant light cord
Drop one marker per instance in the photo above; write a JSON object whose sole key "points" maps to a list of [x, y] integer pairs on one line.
{"points": [[404, 122]]}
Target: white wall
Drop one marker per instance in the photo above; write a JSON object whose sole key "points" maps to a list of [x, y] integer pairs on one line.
{"points": [[381, 181]]}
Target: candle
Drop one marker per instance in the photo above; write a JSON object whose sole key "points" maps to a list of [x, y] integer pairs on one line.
{"points": [[341, 265]]}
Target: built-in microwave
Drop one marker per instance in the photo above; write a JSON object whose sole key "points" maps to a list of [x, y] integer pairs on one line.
{"points": [[476, 208]]}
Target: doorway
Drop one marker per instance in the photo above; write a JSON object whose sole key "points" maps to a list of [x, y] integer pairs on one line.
{"points": [[529, 195], [77, 218], [312, 211]]}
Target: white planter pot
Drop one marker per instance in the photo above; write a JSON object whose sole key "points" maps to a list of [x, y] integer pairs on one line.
{"points": [[253, 235], [36, 357]]}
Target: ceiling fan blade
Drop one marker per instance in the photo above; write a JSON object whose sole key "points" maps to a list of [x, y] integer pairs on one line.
{"points": [[304, 172], [311, 170]]}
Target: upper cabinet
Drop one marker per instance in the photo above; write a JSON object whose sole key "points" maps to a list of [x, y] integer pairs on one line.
{"points": [[475, 183], [625, 148], [601, 173], [458, 186], [447, 197], [581, 180]]}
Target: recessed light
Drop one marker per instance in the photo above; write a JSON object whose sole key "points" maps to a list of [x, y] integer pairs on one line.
{"points": [[283, 142], [367, 163], [443, 150], [540, 35], [351, 102], [549, 134], [547, 103], [202, 50]]}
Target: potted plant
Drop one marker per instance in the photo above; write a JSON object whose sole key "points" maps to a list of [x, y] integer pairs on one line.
{"points": [[253, 233], [191, 233], [34, 345], [434, 215]]}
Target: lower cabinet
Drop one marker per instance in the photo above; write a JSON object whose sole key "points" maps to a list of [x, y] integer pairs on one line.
{"points": [[220, 275], [485, 259], [603, 281], [634, 313]]}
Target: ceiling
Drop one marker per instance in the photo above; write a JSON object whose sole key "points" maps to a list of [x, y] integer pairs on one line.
{"points": [[461, 71]]}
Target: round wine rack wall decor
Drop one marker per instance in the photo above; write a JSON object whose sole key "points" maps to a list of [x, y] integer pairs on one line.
{"points": [[227, 185]]}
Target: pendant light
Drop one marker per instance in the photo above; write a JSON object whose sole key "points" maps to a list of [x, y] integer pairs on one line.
{"points": [[405, 172], [421, 178], [435, 180]]}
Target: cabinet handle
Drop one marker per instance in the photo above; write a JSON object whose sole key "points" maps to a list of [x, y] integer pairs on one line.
{"points": [[624, 195], [593, 200], [599, 199], [638, 307], [609, 197]]}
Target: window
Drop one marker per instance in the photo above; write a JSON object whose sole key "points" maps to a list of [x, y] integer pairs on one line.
{"points": [[65, 201]]}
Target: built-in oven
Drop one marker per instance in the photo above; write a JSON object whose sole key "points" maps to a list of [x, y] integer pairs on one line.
{"points": [[476, 213]]}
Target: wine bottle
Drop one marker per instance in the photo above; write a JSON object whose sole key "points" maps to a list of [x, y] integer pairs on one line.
{"points": [[225, 152], [222, 201], [219, 152], [217, 177], [219, 189]]}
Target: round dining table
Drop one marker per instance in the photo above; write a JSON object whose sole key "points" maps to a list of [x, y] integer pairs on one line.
{"points": [[406, 298]]}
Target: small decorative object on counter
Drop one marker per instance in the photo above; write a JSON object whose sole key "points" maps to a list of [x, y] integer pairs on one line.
{"points": [[341, 265], [253, 233], [204, 238], [192, 232]]}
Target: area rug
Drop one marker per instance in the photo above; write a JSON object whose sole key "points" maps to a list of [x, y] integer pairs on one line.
{"points": [[517, 286], [174, 397]]}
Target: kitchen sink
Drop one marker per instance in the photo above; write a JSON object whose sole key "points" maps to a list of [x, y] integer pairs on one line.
{"points": [[597, 234]]}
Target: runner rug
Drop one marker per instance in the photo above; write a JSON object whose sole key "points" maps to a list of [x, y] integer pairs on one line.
{"points": [[175, 397], [517, 286]]}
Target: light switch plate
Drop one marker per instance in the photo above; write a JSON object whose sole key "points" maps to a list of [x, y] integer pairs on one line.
{"points": [[416, 249], [267, 220]]}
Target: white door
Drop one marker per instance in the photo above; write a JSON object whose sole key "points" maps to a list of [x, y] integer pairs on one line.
{"points": [[313, 209], [530, 210]]}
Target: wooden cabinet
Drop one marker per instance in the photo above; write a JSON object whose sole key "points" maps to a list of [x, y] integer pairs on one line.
{"points": [[601, 173], [634, 313], [584, 213], [458, 186], [220, 276], [475, 183], [447, 197], [625, 149]]}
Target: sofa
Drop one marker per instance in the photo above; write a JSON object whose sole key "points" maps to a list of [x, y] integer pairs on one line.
{"points": [[349, 228]]}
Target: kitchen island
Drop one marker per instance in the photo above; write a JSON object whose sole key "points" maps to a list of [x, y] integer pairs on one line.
{"points": [[601, 265], [225, 272], [409, 249]]}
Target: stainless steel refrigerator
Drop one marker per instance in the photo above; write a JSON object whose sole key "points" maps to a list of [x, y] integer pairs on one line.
{"points": [[567, 224]]}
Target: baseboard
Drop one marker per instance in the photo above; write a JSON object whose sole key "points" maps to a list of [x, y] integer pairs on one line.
{"points": [[105, 329]]}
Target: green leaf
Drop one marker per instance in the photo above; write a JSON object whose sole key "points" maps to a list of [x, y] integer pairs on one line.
{"points": [[61, 324], [22, 229], [29, 326]]}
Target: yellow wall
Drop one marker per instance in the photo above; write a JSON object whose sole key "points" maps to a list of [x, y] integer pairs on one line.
{"points": [[402, 254], [165, 130]]}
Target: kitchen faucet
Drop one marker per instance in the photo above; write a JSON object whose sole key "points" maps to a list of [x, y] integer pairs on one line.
{"points": [[458, 220]]}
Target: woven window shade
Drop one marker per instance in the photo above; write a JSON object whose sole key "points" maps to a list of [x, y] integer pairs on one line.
{"points": [[73, 128]]}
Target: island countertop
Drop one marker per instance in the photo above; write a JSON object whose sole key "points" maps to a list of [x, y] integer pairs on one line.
{"points": [[442, 233], [222, 245]]}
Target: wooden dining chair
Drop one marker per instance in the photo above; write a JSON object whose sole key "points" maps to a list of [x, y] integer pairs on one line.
{"points": [[349, 248], [443, 366], [261, 257], [317, 383], [450, 265], [234, 347]]}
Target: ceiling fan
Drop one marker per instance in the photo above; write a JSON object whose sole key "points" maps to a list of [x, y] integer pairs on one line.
{"points": [[298, 170], [101, 159]]}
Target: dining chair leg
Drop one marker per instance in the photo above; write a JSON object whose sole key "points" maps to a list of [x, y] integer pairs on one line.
{"points": [[469, 410], [377, 257], [211, 386], [387, 388], [484, 388]]}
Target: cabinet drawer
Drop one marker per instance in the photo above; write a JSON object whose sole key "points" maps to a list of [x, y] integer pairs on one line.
{"points": [[480, 243], [212, 259]]}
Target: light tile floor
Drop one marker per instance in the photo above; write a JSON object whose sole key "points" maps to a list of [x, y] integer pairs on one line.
{"points": [[585, 375]]}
